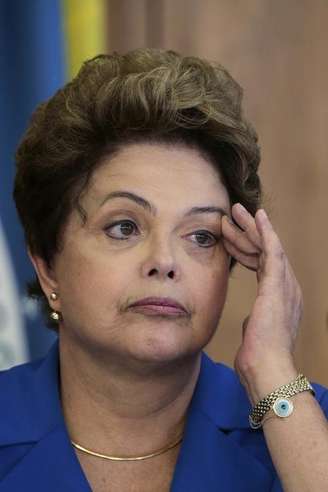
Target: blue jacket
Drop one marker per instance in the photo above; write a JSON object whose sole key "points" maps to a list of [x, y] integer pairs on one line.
{"points": [[219, 451]]}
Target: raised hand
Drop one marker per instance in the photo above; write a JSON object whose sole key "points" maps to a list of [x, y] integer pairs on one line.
{"points": [[265, 358]]}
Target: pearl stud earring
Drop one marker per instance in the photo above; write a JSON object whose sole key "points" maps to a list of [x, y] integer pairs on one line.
{"points": [[54, 316]]}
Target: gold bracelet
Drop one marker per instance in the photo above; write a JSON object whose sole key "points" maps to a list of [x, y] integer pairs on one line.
{"points": [[278, 401]]}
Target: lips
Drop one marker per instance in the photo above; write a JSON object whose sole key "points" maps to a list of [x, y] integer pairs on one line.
{"points": [[165, 302]]}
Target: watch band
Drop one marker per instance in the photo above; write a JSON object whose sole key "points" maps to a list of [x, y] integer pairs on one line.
{"points": [[298, 385]]}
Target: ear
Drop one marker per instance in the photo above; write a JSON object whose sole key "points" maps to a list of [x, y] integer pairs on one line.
{"points": [[47, 278]]}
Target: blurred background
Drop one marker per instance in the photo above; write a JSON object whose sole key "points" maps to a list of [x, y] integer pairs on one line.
{"points": [[276, 50]]}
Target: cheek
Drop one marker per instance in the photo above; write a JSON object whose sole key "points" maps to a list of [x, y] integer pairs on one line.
{"points": [[91, 283], [212, 290]]}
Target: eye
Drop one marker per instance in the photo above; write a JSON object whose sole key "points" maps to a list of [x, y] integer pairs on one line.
{"points": [[123, 226], [204, 236]]}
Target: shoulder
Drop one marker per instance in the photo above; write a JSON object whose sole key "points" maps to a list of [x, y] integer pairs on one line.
{"points": [[29, 400], [19, 400], [20, 369], [18, 379], [31, 375]]}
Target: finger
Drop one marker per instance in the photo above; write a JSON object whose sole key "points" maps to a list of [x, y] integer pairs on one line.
{"points": [[247, 223], [237, 236], [271, 244], [275, 265], [275, 273], [250, 261]]}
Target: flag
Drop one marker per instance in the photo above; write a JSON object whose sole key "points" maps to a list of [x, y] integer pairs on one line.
{"points": [[32, 69], [13, 347], [42, 45]]}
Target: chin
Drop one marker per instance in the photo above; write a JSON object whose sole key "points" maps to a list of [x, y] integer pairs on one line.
{"points": [[164, 346]]}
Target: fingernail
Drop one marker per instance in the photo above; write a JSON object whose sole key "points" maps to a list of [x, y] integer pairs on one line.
{"points": [[241, 208]]}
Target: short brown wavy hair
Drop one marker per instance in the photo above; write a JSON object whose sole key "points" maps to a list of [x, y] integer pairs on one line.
{"points": [[144, 95]]}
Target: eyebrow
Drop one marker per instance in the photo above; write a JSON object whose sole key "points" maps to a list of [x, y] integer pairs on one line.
{"points": [[150, 208]]}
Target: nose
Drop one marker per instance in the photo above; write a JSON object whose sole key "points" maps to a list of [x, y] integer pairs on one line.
{"points": [[161, 260]]}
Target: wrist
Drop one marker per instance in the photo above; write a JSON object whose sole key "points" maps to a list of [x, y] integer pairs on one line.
{"points": [[263, 378]]}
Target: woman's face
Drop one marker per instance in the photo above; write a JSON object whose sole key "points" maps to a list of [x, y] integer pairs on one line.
{"points": [[128, 250]]}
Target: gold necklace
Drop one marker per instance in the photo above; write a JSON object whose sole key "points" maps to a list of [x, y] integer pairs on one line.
{"points": [[134, 458]]}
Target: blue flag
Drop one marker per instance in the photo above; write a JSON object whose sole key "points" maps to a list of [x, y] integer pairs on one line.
{"points": [[32, 69]]}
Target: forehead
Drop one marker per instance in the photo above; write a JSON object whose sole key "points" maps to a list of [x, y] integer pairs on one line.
{"points": [[168, 174]]}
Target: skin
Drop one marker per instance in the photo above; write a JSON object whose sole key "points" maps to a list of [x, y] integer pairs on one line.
{"points": [[127, 378], [265, 361]]}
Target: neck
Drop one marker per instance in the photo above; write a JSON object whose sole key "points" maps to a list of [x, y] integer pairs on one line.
{"points": [[122, 409]]}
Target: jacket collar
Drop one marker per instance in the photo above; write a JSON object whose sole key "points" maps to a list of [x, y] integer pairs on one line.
{"points": [[220, 396], [208, 457]]}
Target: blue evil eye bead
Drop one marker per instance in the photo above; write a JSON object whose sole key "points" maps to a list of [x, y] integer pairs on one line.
{"points": [[283, 407]]}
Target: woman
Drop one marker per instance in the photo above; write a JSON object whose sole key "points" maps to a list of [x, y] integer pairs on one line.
{"points": [[138, 191]]}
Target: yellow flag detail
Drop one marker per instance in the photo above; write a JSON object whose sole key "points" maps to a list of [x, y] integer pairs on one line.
{"points": [[84, 30]]}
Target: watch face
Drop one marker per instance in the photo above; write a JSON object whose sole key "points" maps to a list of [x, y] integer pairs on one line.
{"points": [[283, 407]]}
